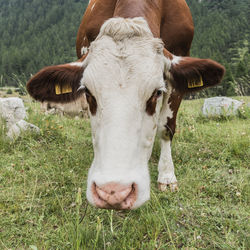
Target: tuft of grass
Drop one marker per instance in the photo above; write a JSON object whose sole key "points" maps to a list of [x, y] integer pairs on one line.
{"points": [[43, 182], [20, 82], [9, 92]]}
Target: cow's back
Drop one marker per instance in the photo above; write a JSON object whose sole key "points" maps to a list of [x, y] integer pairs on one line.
{"points": [[177, 28], [170, 20], [97, 12]]}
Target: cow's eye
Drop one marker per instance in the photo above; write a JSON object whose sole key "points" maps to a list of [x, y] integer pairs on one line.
{"points": [[152, 101], [91, 101], [159, 93]]}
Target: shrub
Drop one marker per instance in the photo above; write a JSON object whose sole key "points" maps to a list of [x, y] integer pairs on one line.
{"points": [[9, 92]]}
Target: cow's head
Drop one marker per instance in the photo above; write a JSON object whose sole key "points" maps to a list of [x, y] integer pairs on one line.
{"points": [[124, 76]]}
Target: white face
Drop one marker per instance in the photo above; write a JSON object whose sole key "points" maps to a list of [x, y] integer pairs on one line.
{"points": [[122, 77]]}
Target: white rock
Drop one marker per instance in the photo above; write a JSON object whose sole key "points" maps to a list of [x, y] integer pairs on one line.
{"points": [[220, 106], [21, 126], [12, 109], [13, 131]]}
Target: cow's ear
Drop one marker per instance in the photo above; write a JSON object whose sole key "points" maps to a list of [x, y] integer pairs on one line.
{"points": [[189, 74], [57, 83]]}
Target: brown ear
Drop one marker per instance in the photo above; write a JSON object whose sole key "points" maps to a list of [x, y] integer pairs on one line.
{"points": [[57, 83], [194, 74]]}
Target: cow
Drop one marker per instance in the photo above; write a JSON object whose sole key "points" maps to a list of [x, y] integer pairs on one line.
{"points": [[134, 67], [78, 108]]}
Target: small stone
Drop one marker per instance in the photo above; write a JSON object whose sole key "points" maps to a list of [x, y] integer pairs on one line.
{"points": [[73, 204]]}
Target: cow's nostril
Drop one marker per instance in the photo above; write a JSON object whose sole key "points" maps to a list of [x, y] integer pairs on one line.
{"points": [[114, 195]]}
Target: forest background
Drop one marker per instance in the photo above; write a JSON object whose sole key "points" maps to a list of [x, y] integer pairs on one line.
{"points": [[38, 33]]}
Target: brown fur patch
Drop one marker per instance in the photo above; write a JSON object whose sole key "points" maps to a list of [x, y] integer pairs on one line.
{"points": [[192, 69], [42, 85], [151, 105], [174, 101], [91, 101], [152, 101]]}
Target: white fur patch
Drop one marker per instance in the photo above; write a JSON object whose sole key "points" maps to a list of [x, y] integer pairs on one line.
{"points": [[125, 66], [82, 87], [166, 112], [176, 60], [93, 7], [169, 113], [119, 28], [166, 166], [84, 50], [78, 64], [167, 67]]}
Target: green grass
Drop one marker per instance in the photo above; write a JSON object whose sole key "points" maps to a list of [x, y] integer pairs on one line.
{"points": [[43, 183]]}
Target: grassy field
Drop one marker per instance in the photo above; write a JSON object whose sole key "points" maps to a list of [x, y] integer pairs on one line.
{"points": [[43, 183]]}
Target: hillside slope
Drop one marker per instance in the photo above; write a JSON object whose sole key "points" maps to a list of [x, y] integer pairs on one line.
{"points": [[36, 33], [222, 33]]}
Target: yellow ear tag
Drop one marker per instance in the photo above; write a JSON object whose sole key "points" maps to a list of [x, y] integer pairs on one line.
{"points": [[195, 83], [64, 89], [58, 89]]}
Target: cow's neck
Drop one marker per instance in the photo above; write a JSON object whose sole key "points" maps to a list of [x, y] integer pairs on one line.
{"points": [[150, 10]]}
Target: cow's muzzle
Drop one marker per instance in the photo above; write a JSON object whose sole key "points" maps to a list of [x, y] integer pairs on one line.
{"points": [[114, 195]]}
